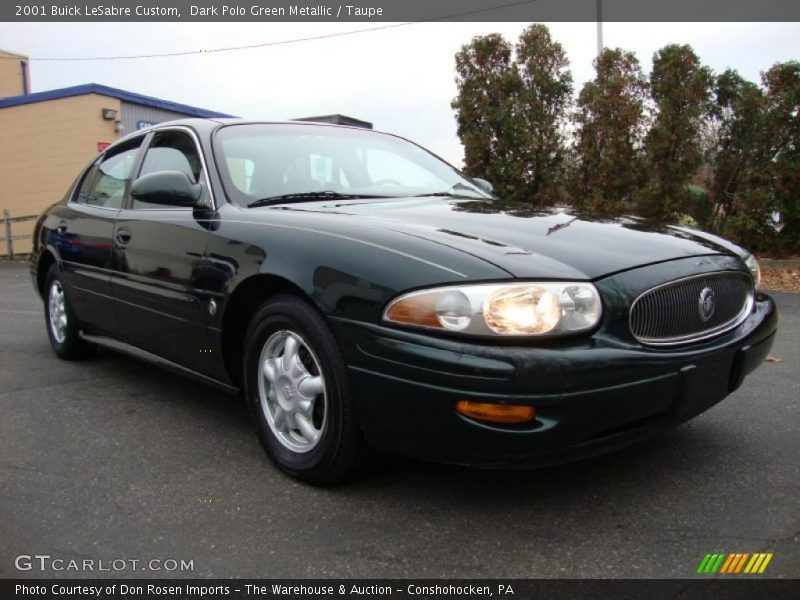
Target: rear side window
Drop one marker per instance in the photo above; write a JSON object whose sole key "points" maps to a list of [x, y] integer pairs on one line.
{"points": [[105, 183], [86, 184]]}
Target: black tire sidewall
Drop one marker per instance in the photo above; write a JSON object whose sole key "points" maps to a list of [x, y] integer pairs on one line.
{"points": [[329, 459]]}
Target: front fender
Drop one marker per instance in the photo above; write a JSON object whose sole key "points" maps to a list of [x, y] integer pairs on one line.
{"points": [[346, 268], [344, 271]]}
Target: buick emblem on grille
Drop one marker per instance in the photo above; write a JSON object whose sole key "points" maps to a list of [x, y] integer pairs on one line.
{"points": [[693, 308], [707, 304]]}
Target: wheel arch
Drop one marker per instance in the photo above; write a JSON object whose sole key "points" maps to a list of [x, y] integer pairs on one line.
{"points": [[47, 258], [245, 299]]}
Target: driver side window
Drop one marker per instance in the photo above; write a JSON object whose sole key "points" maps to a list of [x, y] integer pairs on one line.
{"points": [[170, 151]]}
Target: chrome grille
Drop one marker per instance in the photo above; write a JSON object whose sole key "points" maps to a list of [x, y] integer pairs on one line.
{"points": [[672, 314]]}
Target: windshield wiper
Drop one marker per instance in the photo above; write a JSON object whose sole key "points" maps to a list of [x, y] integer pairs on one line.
{"points": [[448, 195], [307, 197], [453, 193]]}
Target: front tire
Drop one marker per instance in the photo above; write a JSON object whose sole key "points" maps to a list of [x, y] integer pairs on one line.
{"points": [[63, 327], [295, 383]]}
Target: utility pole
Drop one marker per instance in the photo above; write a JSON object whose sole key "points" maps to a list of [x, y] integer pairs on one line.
{"points": [[599, 27]]}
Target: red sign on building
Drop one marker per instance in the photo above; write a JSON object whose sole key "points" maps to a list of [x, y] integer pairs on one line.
{"points": [[102, 146]]}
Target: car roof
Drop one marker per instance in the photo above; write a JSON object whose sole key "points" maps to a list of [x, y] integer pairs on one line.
{"points": [[206, 125]]}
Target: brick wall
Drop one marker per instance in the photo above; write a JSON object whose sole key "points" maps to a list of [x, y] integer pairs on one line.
{"points": [[43, 147], [11, 74]]}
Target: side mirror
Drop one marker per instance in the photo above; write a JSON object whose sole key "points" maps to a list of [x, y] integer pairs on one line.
{"points": [[169, 188], [483, 185]]}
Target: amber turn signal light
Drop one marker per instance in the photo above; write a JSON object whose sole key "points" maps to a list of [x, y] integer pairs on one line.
{"points": [[495, 413]]}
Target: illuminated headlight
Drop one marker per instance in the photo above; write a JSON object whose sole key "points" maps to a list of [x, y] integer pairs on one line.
{"points": [[752, 264], [524, 309]]}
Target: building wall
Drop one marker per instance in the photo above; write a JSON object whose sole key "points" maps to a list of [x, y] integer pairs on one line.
{"points": [[133, 114], [11, 82], [43, 147]]}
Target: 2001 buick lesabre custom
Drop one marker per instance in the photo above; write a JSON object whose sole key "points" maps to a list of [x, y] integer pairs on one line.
{"points": [[362, 293]]}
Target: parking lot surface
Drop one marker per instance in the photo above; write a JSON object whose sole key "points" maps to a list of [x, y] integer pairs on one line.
{"points": [[115, 459]]}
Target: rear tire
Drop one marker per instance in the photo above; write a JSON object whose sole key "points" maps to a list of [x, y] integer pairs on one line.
{"points": [[63, 327], [295, 384]]}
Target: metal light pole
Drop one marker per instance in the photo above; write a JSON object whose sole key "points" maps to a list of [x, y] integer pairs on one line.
{"points": [[599, 27]]}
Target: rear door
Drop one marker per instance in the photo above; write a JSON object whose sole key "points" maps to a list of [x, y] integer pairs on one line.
{"points": [[83, 235], [158, 254]]}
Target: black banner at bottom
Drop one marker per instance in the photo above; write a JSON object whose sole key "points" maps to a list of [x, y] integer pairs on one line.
{"points": [[402, 589]]}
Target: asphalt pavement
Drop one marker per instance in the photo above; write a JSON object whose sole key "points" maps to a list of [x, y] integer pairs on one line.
{"points": [[113, 459]]}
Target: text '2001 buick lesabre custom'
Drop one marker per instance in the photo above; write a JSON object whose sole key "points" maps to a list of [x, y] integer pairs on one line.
{"points": [[363, 294]]}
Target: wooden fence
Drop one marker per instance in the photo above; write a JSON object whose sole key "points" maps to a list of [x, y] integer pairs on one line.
{"points": [[8, 237]]}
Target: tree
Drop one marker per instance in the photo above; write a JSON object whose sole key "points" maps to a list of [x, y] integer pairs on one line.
{"points": [[487, 86], [510, 112], [740, 197], [782, 89], [610, 128], [680, 89], [544, 99]]}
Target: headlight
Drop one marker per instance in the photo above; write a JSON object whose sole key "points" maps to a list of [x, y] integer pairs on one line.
{"points": [[524, 309], [752, 264]]}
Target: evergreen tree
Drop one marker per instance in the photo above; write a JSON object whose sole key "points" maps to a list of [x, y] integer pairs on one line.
{"points": [[610, 127], [511, 113], [680, 89]]}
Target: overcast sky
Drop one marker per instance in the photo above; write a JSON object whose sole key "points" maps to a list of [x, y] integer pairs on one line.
{"points": [[400, 79]]}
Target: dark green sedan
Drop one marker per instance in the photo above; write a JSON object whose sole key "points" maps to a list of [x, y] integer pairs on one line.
{"points": [[364, 295]]}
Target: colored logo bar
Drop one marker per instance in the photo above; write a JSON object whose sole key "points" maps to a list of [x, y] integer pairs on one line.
{"points": [[734, 563]]}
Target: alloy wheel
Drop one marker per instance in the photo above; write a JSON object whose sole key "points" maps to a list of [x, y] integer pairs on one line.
{"points": [[57, 312], [291, 389]]}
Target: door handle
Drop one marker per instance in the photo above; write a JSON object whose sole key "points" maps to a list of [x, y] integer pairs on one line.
{"points": [[122, 237], [62, 227]]}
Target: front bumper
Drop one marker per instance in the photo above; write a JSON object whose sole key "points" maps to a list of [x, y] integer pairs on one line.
{"points": [[591, 396]]}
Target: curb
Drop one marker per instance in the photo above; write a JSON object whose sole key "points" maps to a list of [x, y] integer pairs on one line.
{"points": [[775, 263]]}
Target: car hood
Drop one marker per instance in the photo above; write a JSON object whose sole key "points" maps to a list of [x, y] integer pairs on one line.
{"points": [[553, 243]]}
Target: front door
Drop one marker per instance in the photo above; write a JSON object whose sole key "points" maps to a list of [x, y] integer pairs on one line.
{"points": [[158, 254]]}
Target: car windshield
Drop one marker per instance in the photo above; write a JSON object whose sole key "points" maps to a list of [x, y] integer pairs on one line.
{"points": [[262, 162]]}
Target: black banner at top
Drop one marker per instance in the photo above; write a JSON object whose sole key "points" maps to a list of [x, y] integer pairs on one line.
{"points": [[399, 10]]}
